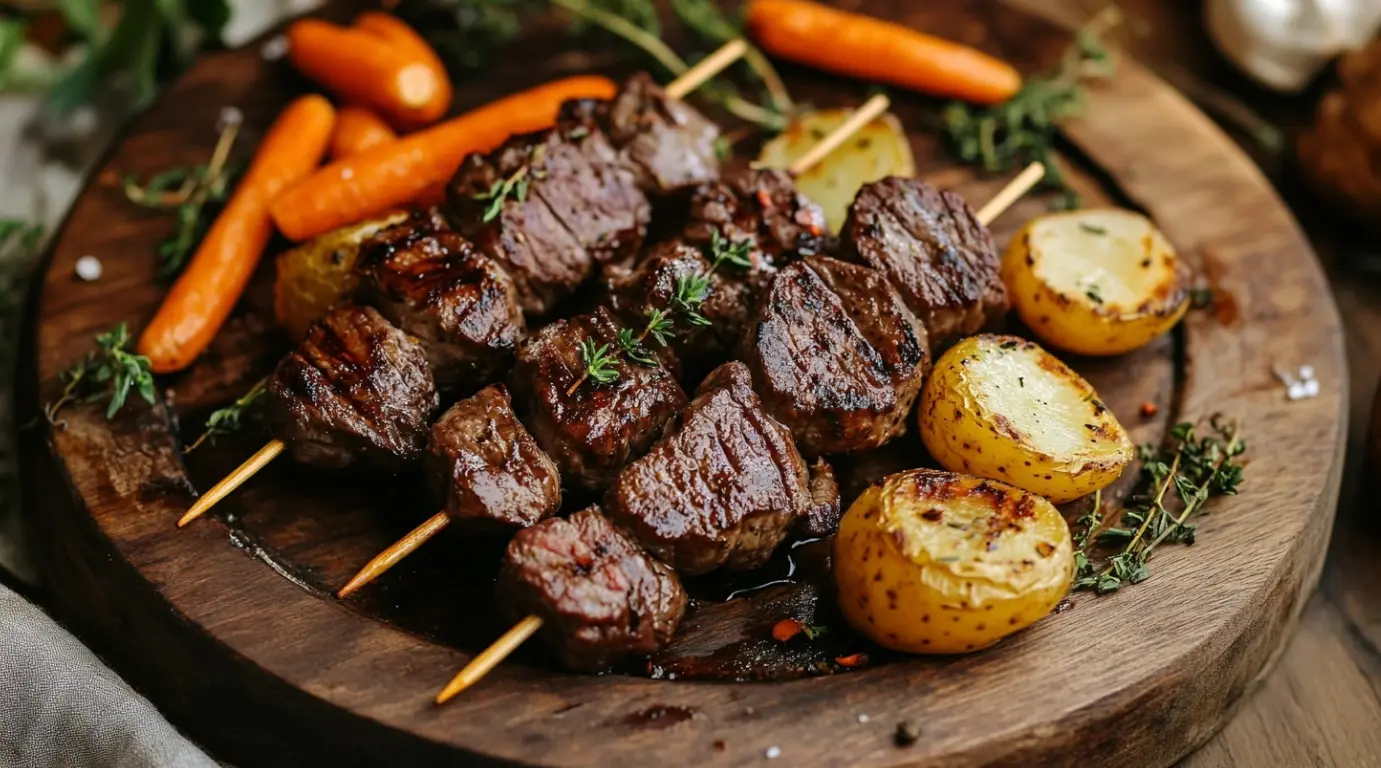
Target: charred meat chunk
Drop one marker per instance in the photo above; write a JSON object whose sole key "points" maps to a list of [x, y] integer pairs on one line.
{"points": [[459, 304], [722, 490], [835, 355], [931, 247], [671, 270], [601, 598], [761, 207], [486, 469], [665, 141], [549, 206], [355, 390], [594, 429]]}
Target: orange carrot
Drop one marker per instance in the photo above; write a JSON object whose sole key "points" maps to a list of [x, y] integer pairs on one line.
{"points": [[359, 129], [200, 301], [397, 33], [362, 68], [872, 49], [395, 174]]}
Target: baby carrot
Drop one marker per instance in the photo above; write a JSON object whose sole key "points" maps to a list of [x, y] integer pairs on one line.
{"points": [[359, 129], [872, 49], [397, 33], [395, 174], [363, 69], [202, 298]]}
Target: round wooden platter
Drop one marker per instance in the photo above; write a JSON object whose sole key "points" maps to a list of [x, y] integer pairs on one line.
{"points": [[230, 626]]}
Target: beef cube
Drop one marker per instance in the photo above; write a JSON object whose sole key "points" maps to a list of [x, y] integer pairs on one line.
{"points": [[722, 490], [835, 355], [931, 247], [594, 429], [549, 206], [601, 598], [355, 390], [486, 469], [762, 207], [459, 304]]}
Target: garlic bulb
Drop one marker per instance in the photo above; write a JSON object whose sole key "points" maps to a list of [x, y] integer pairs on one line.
{"points": [[1283, 43]]}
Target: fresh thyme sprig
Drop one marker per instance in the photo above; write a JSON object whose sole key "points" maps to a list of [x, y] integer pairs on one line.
{"points": [[689, 293], [229, 419], [110, 371], [195, 193], [1197, 468], [1023, 128], [515, 186]]}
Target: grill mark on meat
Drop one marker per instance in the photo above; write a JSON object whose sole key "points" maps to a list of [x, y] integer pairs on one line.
{"points": [[722, 489], [355, 390]]}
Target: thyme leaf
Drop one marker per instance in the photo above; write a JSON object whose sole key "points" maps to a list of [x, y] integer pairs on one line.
{"points": [[229, 419], [110, 372]]}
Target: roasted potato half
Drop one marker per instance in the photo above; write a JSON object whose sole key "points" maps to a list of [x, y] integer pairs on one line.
{"points": [[1003, 408], [1096, 282], [879, 149], [933, 562], [314, 276]]}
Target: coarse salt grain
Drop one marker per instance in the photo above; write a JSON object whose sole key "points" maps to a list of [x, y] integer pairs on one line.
{"points": [[774, 753], [89, 268], [1306, 371], [862, 718]]}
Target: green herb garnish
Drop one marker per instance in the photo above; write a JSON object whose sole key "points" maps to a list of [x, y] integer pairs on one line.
{"points": [[600, 365], [109, 372], [229, 419]]}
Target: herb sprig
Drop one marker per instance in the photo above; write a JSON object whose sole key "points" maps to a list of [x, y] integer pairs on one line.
{"points": [[195, 193], [1197, 468], [689, 293], [515, 186], [1022, 129], [227, 420], [110, 372]]}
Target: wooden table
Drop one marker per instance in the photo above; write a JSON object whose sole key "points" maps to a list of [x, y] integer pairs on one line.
{"points": [[1321, 704]]}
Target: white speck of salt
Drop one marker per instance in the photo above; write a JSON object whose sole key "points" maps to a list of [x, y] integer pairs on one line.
{"points": [[274, 48], [1298, 390], [1306, 371], [89, 268], [774, 752], [862, 718]]}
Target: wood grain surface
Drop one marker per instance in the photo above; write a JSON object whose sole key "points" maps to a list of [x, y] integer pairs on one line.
{"points": [[229, 627]]}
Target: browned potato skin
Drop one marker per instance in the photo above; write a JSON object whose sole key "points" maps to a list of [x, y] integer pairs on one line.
{"points": [[320, 273], [932, 562]]}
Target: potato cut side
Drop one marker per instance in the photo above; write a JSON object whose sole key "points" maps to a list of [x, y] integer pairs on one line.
{"points": [[934, 562], [1004, 408], [318, 274], [1096, 282], [880, 149]]}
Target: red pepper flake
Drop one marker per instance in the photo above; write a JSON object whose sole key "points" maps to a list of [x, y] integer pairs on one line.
{"points": [[1149, 409], [764, 199], [852, 660], [786, 629]]}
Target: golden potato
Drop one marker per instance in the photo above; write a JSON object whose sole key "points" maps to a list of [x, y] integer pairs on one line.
{"points": [[317, 274], [879, 149], [1003, 408], [934, 562], [1096, 282]]}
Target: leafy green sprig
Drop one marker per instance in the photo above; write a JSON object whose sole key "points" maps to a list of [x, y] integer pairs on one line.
{"points": [[1197, 468], [514, 187], [1022, 129], [227, 420], [110, 372]]}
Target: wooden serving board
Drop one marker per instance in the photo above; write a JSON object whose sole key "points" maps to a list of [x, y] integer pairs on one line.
{"points": [[230, 626]]}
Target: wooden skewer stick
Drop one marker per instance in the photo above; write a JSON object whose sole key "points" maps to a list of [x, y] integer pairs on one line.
{"points": [[693, 78], [233, 480], [419, 535], [509, 642], [861, 117], [707, 68], [399, 550], [490, 658]]}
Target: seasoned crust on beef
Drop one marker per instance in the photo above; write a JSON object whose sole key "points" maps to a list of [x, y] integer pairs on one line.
{"points": [[931, 247], [723, 489], [601, 598], [666, 141], [835, 355], [594, 431], [764, 207], [355, 390], [571, 203], [459, 304], [823, 517], [486, 469]]}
